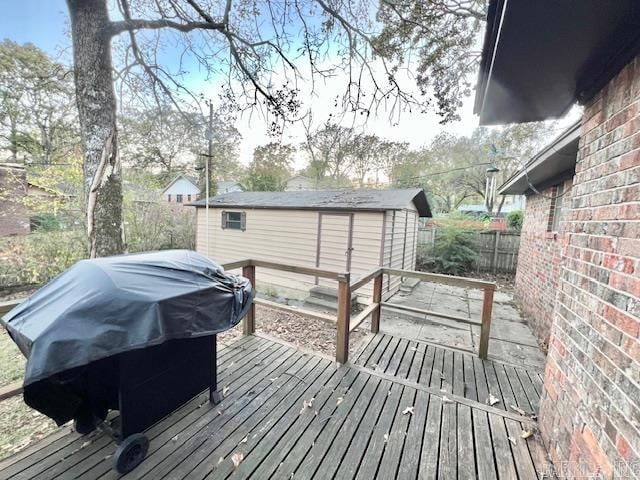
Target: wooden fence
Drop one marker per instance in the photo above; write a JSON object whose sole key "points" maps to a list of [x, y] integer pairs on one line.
{"points": [[498, 251]]}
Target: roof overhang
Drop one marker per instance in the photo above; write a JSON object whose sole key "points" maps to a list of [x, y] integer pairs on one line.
{"points": [[555, 163], [541, 56]]}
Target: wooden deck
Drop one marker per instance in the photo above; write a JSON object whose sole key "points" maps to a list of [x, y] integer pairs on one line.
{"points": [[290, 414], [456, 372]]}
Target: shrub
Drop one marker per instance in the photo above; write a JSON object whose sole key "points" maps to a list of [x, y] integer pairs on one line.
{"points": [[455, 250], [515, 220]]}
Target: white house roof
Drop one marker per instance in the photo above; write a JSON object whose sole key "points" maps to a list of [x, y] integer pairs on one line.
{"points": [[364, 199]]}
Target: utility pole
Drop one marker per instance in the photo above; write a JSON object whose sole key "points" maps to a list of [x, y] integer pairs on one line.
{"points": [[206, 175]]}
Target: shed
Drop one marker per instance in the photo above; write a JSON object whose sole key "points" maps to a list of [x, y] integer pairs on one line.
{"points": [[346, 231]]}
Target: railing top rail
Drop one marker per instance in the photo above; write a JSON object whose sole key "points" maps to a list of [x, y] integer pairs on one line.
{"points": [[316, 272], [444, 279]]}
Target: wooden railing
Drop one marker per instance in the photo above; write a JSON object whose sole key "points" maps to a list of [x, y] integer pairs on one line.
{"points": [[344, 323]]}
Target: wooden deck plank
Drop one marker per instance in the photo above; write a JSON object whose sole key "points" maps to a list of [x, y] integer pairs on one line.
{"points": [[466, 459], [350, 386], [483, 446], [518, 390], [355, 429], [408, 467], [369, 466], [280, 446], [448, 461], [522, 458], [358, 446], [363, 385], [502, 448], [181, 461], [470, 384], [249, 441], [397, 435], [356, 419], [391, 368], [429, 458], [459, 384]]}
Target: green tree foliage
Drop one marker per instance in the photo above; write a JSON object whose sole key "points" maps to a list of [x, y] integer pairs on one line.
{"points": [[38, 118], [515, 220], [453, 169], [455, 250], [270, 168]]}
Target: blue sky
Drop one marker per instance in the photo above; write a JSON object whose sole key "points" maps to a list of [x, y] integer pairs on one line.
{"points": [[44, 23]]}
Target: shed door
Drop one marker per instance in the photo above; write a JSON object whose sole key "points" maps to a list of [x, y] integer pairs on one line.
{"points": [[334, 243]]}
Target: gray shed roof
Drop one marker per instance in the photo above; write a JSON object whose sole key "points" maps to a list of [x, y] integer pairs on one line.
{"points": [[365, 200]]}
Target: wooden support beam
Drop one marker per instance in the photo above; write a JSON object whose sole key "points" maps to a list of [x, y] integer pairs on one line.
{"points": [[431, 313], [377, 299], [249, 325], [10, 390], [485, 328], [344, 314], [439, 278], [299, 311], [362, 316]]}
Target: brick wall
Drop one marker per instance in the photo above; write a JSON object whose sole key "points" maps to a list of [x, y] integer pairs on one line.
{"points": [[590, 410], [539, 257]]}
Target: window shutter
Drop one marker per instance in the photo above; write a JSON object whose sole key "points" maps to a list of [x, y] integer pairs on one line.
{"points": [[243, 221], [224, 219]]}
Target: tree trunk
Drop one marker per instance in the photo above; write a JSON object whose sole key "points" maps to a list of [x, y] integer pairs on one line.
{"points": [[96, 102]]}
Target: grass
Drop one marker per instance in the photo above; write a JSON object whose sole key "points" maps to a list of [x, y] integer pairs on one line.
{"points": [[20, 425]]}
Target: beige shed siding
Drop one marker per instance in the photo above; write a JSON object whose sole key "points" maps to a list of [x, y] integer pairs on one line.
{"points": [[284, 236], [290, 237]]}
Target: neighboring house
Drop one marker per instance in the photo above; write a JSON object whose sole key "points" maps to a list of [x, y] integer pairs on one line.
{"points": [[343, 231], [546, 180], [225, 186], [538, 59], [183, 189], [14, 214], [299, 182]]}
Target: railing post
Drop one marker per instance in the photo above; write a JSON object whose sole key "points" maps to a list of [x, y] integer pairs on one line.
{"points": [[377, 298], [249, 324], [485, 328], [344, 318]]}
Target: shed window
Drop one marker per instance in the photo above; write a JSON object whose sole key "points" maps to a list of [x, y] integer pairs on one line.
{"points": [[556, 208], [234, 220]]}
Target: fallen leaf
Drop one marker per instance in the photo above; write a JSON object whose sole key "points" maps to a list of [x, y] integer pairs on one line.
{"points": [[244, 440], [492, 400], [175, 439], [225, 390], [273, 379], [414, 349], [306, 404], [408, 410], [86, 444], [237, 458], [518, 409], [220, 460], [339, 401], [512, 440], [526, 434], [446, 399], [386, 437]]}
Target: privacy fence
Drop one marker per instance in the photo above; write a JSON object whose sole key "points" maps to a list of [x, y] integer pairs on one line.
{"points": [[497, 251]]}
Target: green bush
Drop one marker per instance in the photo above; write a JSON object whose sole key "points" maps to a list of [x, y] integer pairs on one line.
{"points": [[455, 250], [37, 258], [45, 222], [515, 220]]}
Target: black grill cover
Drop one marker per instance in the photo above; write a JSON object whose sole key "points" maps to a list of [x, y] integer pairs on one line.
{"points": [[100, 308]]}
